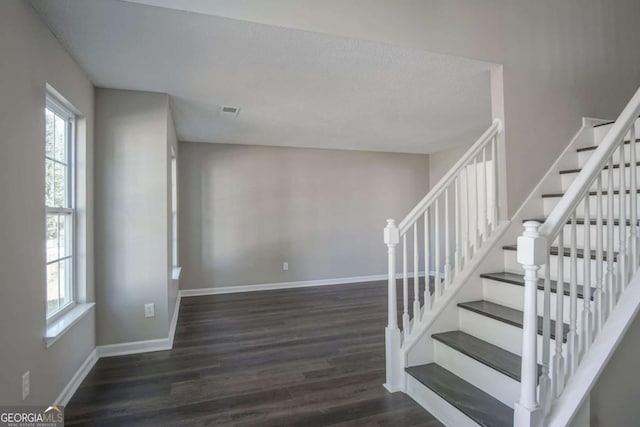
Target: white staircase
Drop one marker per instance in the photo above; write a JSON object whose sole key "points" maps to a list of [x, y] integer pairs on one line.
{"points": [[517, 334]]}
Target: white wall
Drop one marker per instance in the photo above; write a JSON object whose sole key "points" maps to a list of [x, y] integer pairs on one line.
{"points": [[244, 210], [133, 227], [31, 58], [562, 60]]}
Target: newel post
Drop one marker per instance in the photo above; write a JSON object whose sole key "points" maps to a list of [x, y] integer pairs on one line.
{"points": [[392, 333], [532, 253]]}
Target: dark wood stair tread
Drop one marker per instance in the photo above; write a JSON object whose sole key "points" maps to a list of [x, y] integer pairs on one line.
{"points": [[580, 221], [553, 250], [606, 167], [488, 354], [468, 399], [518, 280], [508, 315], [591, 193], [593, 147]]}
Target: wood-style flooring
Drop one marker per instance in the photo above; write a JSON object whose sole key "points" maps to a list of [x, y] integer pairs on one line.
{"points": [[296, 357]]}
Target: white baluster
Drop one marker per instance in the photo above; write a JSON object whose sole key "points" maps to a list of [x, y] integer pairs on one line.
{"points": [[447, 241], [586, 335], [611, 276], [572, 337], [622, 226], [405, 288], [598, 300], [532, 252], [485, 194], [634, 199], [437, 290], [476, 220], [468, 248], [427, 262], [494, 158], [558, 359], [416, 276], [545, 381], [458, 256]]}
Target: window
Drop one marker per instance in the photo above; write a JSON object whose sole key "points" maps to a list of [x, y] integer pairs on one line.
{"points": [[60, 209]]}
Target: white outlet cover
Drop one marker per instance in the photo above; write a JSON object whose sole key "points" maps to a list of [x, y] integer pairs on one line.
{"points": [[26, 384], [149, 310], [285, 266]]}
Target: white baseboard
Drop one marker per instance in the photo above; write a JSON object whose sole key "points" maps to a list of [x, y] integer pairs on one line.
{"points": [[289, 285], [65, 395], [134, 347]]}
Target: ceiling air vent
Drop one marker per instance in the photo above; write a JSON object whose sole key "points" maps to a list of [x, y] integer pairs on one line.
{"points": [[227, 110]]}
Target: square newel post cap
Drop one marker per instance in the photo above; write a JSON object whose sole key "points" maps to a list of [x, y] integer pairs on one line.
{"points": [[391, 233], [532, 247]]}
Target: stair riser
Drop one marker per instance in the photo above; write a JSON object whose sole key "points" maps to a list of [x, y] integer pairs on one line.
{"points": [[580, 236], [513, 296], [492, 382], [583, 156], [512, 265], [496, 332], [599, 132], [550, 202], [437, 406], [567, 178]]}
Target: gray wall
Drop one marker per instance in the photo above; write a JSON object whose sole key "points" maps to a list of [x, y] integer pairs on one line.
{"points": [[562, 60], [244, 210], [132, 223], [32, 57]]}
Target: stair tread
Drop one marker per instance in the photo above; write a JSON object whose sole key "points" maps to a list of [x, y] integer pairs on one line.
{"points": [[518, 279], [606, 123], [616, 166], [468, 399], [593, 147], [553, 250], [508, 315], [591, 193], [580, 221], [488, 354]]}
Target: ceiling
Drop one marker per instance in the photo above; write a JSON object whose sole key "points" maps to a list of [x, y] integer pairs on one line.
{"points": [[294, 88]]}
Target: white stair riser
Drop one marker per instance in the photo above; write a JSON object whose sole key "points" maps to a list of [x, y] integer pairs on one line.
{"points": [[437, 406], [580, 236], [567, 178], [599, 132], [513, 296], [492, 382], [496, 332], [583, 156], [512, 265], [550, 202]]}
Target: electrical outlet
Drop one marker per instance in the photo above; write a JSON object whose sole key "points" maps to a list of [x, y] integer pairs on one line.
{"points": [[149, 310], [285, 266], [26, 384]]}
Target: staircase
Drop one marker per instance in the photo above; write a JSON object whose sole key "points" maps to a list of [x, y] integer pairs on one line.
{"points": [[509, 333]]}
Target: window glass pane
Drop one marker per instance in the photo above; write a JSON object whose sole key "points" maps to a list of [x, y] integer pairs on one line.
{"points": [[64, 240], [65, 281], [49, 183], [52, 237], [59, 185], [49, 140], [53, 295], [61, 139]]}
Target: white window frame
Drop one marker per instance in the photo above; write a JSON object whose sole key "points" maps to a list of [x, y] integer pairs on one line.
{"points": [[59, 109]]}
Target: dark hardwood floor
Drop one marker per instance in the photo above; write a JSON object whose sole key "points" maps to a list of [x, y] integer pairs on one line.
{"points": [[308, 357]]}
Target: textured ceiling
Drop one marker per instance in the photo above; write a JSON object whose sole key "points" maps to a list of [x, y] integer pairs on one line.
{"points": [[294, 88]]}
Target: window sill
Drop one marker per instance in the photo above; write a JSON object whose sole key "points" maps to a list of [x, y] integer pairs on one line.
{"points": [[57, 328], [177, 271]]}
